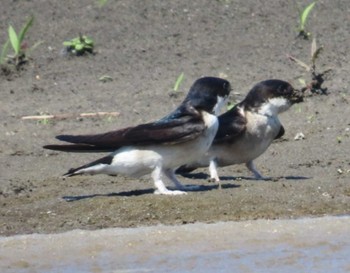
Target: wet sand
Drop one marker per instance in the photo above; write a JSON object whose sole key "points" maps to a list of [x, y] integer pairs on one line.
{"points": [[303, 245]]}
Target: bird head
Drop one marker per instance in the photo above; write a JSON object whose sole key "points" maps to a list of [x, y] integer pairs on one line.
{"points": [[208, 94], [272, 97]]}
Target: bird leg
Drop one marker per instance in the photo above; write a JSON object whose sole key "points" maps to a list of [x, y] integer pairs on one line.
{"points": [[251, 167], [214, 177], [171, 175], [161, 189]]}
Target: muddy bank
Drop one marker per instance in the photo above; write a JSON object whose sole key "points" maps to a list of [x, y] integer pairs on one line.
{"points": [[317, 245], [143, 49]]}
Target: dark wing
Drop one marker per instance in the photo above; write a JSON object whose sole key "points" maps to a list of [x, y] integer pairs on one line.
{"points": [[231, 125], [165, 131]]}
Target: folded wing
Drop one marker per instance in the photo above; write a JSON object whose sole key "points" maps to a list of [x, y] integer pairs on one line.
{"points": [[231, 125], [164, 132]]}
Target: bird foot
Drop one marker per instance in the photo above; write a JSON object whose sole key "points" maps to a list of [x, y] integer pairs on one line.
{"points": [[214, 179], [169, 192], [262, 178]]}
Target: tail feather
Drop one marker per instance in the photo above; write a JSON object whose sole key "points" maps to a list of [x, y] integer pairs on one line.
{"points": [[107, 160], [78, 148]]}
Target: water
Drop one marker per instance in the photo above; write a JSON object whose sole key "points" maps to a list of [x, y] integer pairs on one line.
{"points": [[303, 245]]}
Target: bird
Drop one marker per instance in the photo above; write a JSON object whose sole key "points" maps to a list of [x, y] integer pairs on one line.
{"points": [[247, 130], [158, 147]]}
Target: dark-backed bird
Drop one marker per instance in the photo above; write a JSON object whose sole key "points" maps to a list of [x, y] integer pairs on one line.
{"points": [[157, 147], [247, 130]]}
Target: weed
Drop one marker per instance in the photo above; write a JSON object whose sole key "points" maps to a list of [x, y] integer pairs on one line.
{"points": [[110, 119], [79, 45], [20, 49], [230, 105], [44, 121], [303, 16], [311, 118], [179, 80], [317, 78], [339, 139], [43, 118], [105, 78], [101, 3], [298, 109], [4, 50]]}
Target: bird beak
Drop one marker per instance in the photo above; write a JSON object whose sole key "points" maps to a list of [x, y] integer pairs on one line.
{"points": [[297, 96]]}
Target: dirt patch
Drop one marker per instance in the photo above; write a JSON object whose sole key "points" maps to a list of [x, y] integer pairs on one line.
{"points": [[143, 48]]}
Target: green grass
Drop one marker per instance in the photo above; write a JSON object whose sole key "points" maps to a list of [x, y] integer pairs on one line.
{"points": [[101, 3], [304, 15], [179, 80], [20, 49]]}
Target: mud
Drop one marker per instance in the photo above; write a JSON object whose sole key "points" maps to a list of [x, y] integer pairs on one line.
{"points": [[143, 48]]}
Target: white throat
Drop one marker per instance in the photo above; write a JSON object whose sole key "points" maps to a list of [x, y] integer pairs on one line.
{"points": [[274, 106], [220, 103]]}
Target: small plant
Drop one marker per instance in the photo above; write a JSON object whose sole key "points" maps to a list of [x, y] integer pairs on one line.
{"points": [[79, 45], [105, 78], [339, 139], [179, 80], [101, 3], [317, 79], [304, 14], [230, 105], [20, 49], [44, 121]]}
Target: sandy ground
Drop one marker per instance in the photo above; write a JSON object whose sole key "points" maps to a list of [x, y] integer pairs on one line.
{"points": [[144, 48]]}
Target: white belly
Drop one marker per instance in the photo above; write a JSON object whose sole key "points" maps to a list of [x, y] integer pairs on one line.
{"points": [[260, 133], [138, 161]]}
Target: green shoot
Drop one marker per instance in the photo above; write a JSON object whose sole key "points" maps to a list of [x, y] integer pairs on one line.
{"points": [[303, 19], [44, 121], [311, 118], [298, 109], [4, 52], [339, 139], [230, 105], [79, 45], [16, 41], [110, 119], [101, 3], [302, 81], [105, 78], [179, 80]]}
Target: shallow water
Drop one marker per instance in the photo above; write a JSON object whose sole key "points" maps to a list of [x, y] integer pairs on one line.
{"points": [[303, 245]]}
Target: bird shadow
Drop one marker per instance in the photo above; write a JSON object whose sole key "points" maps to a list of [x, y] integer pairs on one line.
{"points": [[72, 198], [202, 175], [274, 179], [198, 188]]}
